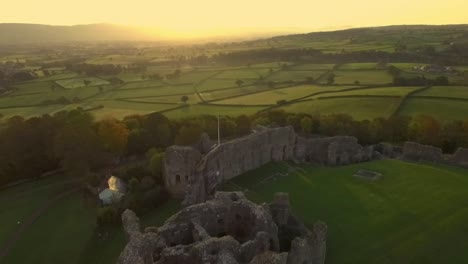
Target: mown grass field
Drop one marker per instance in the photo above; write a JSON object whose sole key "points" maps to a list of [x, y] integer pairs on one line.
{"points": [[217, 88], [416, 213], [66, 231]]}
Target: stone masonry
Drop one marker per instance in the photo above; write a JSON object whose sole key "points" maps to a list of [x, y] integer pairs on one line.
{"points": [[191, 174], [227, 229]]}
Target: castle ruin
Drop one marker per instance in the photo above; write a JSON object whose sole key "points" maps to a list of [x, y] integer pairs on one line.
{"points": [[226, 229]]}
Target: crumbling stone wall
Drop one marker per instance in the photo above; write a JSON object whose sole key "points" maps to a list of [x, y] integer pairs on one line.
{"points": [[226, 229], [196, 175], [418, 152], [460, 158], [332, 151]]}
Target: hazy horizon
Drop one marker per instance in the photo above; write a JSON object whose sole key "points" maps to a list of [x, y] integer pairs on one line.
{"points": [[209, 18]]}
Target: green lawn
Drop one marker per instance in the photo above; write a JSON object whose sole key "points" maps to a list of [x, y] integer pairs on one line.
{"points": [[359, 108], [444, 110], [416, 213]]}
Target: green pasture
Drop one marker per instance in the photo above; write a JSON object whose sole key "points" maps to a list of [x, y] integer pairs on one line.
{"points": [[238, 74], [358, 66], [416, 213], [141, 84], [274, 95], [121, 108], [215, 84], [312, 67], [442, 109], [232, 92], [295, 75], [383, 91], [175, 99], [366, 77], [80, 82], [359, 108], [204, 109], [446, 91]]}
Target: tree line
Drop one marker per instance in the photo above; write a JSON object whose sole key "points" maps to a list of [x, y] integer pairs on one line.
{"points": [[74, 141]]}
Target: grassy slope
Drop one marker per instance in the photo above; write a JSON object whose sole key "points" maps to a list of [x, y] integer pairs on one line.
{"points": [[415, 214], [65, 232]]}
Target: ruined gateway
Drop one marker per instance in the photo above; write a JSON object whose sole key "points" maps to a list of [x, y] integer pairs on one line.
{"points": [[228, 229]]}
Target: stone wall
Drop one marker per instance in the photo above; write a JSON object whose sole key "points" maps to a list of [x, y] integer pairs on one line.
{"points": [[193, 174], [226, 229], [418, 152]]}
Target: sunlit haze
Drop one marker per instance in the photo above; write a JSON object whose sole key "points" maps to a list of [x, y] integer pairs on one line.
{"points": [[190, 18]]}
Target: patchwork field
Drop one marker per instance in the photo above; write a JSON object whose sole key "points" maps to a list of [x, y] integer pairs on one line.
{"points": [[416, 213], [231, 87]]}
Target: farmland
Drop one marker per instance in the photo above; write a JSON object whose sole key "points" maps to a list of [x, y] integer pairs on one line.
{"points": [[356, 91], [343, 71]]}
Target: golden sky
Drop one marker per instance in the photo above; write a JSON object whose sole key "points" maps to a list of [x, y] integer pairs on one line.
{"points": [[218, 15]]}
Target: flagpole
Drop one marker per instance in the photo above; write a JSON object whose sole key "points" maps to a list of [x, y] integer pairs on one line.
{"points": [[219, 138]]}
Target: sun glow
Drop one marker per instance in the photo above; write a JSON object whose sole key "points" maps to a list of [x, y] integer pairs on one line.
{"points": [[217, 17]]}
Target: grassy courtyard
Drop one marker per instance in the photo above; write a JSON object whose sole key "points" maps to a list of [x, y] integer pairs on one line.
{"points": [[416, 213]]}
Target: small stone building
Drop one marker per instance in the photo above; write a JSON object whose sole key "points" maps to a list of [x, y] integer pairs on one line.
{"points": [[115, 192]]}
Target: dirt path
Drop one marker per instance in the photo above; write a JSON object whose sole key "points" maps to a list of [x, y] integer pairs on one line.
{"points": [[11, 241]]}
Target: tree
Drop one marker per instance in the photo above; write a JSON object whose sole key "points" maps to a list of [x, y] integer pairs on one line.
{"points": [[426, 130], [159, 127], [184, 98], [239, 82], [155, 165], [113, 135], [86, 82], [77, 145], [188, 134], [243, 125], [306, 124]]}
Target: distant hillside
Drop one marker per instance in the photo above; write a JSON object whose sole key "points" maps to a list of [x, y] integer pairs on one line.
{"points": [[11, 34]]}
